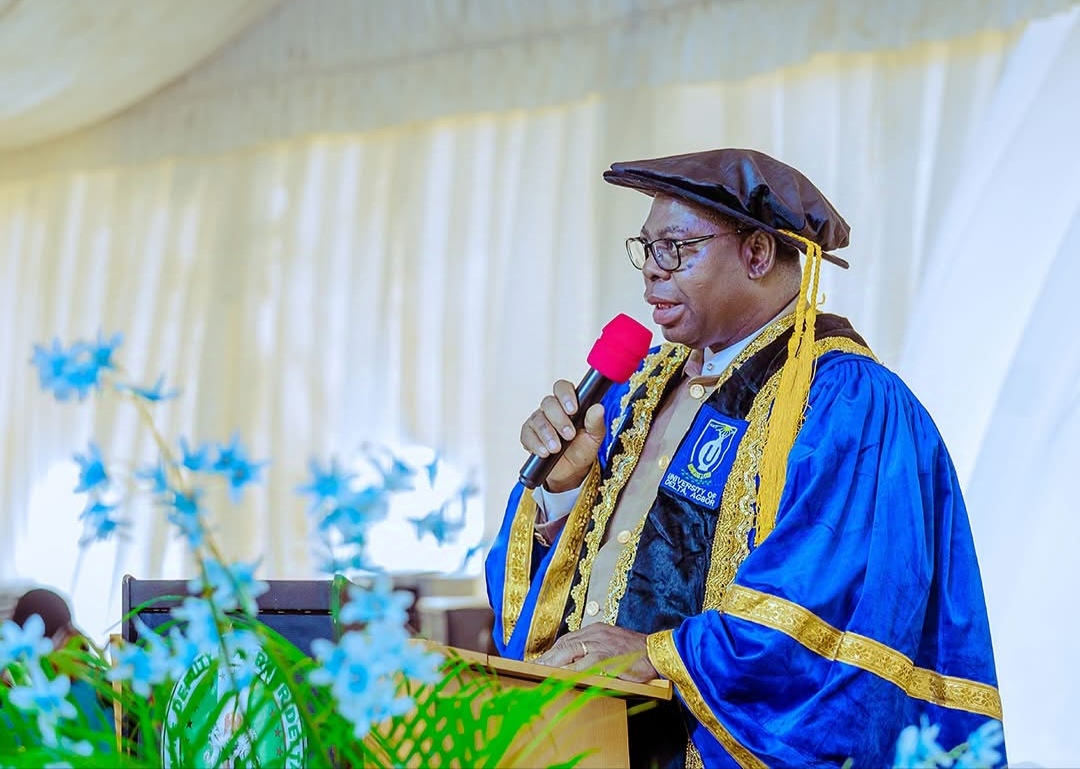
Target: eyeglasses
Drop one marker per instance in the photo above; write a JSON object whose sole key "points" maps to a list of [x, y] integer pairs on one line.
{"points": [[667, 253]]}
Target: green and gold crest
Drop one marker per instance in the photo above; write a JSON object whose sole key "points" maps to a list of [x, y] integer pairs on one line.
{"points": [[210, 722]]}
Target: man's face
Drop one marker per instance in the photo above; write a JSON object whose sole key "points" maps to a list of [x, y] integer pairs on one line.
{"points": [[708, 301]]}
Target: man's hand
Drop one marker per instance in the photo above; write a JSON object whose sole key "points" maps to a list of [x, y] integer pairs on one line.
{"points": [[622, 650], [545, 431]]}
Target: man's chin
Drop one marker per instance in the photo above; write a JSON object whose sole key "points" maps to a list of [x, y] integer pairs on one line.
{"points": [[674, 334]]}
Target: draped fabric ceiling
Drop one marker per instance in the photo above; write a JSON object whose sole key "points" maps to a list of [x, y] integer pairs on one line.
{"points": [[66, 65], [329, 221], [326, 66]]}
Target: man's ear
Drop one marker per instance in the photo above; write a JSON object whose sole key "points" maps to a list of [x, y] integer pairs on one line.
{"points": [[759, 254]]}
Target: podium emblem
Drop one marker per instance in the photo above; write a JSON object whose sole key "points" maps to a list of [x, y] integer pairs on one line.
{"points": [[209, 723]]}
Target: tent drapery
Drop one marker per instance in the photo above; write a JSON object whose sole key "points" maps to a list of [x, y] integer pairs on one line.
{"points": [[330, 66], [59, 68]]}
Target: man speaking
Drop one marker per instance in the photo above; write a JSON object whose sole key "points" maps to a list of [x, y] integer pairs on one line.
{"points": [[763, 513]]}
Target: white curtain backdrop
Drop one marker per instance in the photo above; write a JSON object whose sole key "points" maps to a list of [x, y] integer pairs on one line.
{"points": [[990, 348], [425, 282]]}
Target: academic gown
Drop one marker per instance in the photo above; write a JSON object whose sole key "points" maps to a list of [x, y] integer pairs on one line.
{"points": [[859, 615]]}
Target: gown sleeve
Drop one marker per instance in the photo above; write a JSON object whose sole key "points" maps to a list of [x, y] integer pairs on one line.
{"points": [[863, 610]]}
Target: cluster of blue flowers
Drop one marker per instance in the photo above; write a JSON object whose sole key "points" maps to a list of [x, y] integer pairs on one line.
{"points": [[917, 747], [360, 669], [22, 650]]}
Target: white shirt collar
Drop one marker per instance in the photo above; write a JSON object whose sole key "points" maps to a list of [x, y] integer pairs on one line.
{"points": [[714, 363]]}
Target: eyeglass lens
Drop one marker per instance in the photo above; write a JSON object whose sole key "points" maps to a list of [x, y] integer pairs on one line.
{"points": [[664, 253]]}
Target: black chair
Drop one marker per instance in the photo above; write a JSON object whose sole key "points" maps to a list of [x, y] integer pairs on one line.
{"points": [[301, 610]]}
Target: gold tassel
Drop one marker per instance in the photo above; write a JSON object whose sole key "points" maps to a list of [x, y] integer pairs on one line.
{"points": [[792, 395]]}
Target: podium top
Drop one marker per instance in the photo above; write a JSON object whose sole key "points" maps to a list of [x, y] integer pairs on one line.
{"points": [[657, 689]]}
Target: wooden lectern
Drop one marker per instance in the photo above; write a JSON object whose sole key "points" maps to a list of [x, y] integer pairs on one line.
{"points": [[599, 726], [302, 610]]}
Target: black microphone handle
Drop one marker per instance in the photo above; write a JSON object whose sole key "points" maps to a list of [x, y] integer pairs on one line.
{"points": [[590, 390]]}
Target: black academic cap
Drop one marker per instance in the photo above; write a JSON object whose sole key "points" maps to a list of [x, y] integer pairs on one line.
{"points": [[52, 608], [744, 184]]}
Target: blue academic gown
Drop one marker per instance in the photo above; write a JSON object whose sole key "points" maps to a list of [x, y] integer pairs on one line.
{"points": [[860, 614]]}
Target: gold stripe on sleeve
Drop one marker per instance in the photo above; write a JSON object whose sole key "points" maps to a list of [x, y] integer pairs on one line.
{"points": [[551, 601], [665, 658], [518, 562], [862, 652]]}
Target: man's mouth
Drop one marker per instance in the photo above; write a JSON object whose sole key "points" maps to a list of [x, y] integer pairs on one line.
{"points": [[665, 312]]}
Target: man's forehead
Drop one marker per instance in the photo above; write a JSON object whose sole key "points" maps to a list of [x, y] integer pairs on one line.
{"points": [[672, 216]]}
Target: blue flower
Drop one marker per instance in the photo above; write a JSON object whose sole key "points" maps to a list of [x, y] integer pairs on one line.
{"points": [[360, 680], [159, 484], [233, 587], [101, 352], [379, 603], [184, 514], [982, 747], [432, 470], [242, 649], [142, 668], [355, 512], [151, 394], [48, 698], [154, 660], [194, 460], [326, 484], [66, 372], [233, 463], [27, 643], [436, 524], [77, 370], [417, 662], [336, 563], [472, 552], [399, 476], [99, 523], [917, 747], [92, 474], [202, 627]]}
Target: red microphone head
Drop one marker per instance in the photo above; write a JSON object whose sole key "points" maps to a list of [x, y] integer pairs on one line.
{"points": [[622, 345]]}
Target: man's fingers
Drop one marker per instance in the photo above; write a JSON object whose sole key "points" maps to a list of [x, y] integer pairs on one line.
{"points": [[566, 395], [561, 654], [557, 418]]}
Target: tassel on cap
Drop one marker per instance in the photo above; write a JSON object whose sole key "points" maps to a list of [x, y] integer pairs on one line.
{"points": [[792, 395]]}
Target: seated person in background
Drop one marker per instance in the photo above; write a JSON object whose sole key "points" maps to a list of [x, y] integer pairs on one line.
{"points": [[55, 613], [764, 514]]}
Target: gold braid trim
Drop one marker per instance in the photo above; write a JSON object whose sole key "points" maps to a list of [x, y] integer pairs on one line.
{"points": [[861, 652], [665, 658], [665, 363], [518, 562], [841, 344], [551, 602], [693, 756], [621, 574], [731, 539]]}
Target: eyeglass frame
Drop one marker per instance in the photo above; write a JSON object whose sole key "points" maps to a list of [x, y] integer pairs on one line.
{"points": [[647, 246]]}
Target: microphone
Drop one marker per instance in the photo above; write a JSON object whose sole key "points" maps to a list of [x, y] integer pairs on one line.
{"points": [[622, 345]]}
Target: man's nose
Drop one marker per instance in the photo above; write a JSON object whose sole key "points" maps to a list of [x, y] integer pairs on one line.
{"points": [[651, 270]]}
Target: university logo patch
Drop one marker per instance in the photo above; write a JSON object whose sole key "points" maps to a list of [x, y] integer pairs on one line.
{"points": [[711, 448], [700, 467]]}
